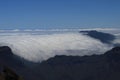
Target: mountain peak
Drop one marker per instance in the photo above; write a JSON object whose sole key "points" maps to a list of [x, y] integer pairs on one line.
{"points": [[116, 49], [5, 51], [113, 54]]}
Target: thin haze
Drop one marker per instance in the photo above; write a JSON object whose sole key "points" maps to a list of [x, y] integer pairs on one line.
{"points": [[47, 14]]}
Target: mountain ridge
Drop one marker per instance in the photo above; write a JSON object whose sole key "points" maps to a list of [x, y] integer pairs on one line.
{"points": [[95, 67]]}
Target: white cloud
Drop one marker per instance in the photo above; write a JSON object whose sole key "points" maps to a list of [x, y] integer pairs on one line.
{"points": [[41, 47]]}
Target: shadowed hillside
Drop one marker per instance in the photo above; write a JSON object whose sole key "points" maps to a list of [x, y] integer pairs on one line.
{"points": [[94, 67], [103, 37], [8, 74]]}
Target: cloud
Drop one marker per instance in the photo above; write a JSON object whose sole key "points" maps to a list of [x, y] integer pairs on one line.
{"points": [[37, 48], [109, 30]]}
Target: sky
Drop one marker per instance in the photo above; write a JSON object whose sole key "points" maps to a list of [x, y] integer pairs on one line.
{"points": [[59, 14]]}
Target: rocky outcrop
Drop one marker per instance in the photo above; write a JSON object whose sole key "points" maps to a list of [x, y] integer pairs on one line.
{"points": [[8, 74]]}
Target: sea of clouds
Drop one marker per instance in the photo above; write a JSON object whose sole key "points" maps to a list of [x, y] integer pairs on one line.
{"points": [[41, 45]]}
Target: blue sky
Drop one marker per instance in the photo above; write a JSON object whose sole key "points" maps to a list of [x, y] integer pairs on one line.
{"points": [[50, 14]]}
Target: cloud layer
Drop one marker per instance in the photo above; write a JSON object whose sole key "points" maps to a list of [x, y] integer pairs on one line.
{"points": [[37, 48]]}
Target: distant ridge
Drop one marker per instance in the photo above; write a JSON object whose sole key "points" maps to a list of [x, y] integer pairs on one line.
{"points": [[103, 37]]}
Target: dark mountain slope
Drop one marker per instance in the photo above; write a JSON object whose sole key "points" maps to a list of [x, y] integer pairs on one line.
{"points": [[8, 59], [103, 37], [94, 67]]}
